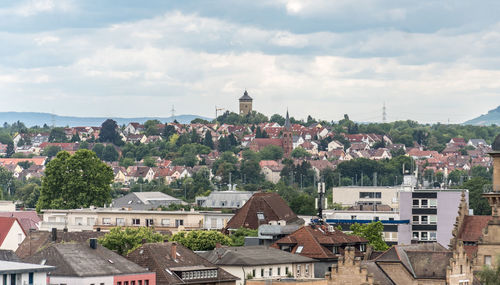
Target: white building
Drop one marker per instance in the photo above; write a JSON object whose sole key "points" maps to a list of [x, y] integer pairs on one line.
{"points": [[11, 233], [24, 273], [366, 195]]}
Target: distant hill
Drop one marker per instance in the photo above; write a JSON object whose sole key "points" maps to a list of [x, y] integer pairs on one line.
{"points": [[32, 119], [492, 117]]}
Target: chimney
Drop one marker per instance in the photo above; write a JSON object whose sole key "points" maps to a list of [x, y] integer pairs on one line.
{"points": [[93, 243], [54, 235], [173, 250]]}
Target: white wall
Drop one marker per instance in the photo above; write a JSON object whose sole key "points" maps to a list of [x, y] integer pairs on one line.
{"points": [[39, 278], [242, 272], [14, 237], [107, 280]]}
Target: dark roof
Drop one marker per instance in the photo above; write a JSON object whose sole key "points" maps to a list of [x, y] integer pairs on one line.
{"points": [[496, 143], [377, 272], [271, 205], [80, 260], [40, 239], [423, 261], [8, 255], [252, 256], [472, 227], [314, 242], [246, 96], [287, 126], [158, 257]]}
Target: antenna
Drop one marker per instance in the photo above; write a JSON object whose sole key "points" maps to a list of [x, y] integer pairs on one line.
{"points": [[173, 113], [384, 114]]}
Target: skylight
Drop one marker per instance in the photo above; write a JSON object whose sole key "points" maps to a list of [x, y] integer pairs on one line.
{"points": [[299, 249]]}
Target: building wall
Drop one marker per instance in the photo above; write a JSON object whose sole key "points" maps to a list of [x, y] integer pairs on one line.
{"points": [[216, 221], [288, 282], [348, 271], [101, 280], [39, 278], [270, 175], [243, 271], [7, 206], [150, 277], [348, 196], [245, 107], [447, 211], [14, 238], [404, 231]]}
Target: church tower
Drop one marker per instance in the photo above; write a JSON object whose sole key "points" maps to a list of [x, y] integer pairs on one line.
{"points": [[287, 139], [245, 104]]}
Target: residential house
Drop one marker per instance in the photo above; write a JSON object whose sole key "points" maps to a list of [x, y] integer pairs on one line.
{"points": [[133, 138], [133, 128], [322, 243], [24, 273], [215, 220], [90, 263], [319, 166], [29, 220], [224, 199], [176, 264], [11, 233], [259, 143], [335, 145], [271, 170], [38, 240], [269, 234], [263, 208], [260, 263], [144, 201], [476, 143]]}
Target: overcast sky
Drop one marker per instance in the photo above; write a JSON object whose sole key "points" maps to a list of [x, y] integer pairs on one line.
{"points": [[430, 61]]}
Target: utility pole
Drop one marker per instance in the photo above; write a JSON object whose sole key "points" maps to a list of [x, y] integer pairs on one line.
{"points": [[320, 201]]}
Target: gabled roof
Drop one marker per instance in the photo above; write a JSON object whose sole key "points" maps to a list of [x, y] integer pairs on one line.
{"points": [[8, 255], [252, 256], [80, 260], [270, 205], [158, 257], [6, 224], [27, 219], [144, 200], [315, 239]]}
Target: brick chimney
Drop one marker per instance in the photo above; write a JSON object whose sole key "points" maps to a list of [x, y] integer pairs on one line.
{"points": [[173, 250]]}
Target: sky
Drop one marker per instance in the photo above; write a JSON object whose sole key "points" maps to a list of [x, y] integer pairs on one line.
{"points": [[429, 61]]}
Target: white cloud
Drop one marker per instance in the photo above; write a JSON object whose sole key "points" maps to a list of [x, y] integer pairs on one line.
{"points": [[33, 7]]}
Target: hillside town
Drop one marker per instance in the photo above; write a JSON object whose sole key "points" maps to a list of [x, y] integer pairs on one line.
{"points": [[251, 201]]}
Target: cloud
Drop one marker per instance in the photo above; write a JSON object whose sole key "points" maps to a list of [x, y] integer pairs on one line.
{"points": [[196, 62], [33, 7]]}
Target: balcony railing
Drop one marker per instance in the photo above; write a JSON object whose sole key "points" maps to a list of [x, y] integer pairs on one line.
{"points": [[489, 188]]}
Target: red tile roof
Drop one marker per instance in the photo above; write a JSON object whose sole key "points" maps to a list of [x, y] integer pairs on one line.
{"points": [[314, 241], [5, 226], [472, 227]]}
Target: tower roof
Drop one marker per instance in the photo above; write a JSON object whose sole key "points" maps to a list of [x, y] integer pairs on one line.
{"points": [[288, 126], [245, 96]]}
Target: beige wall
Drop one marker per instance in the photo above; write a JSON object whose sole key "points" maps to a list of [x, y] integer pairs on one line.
{"points": [[243, 272], [281, 282], [348, 196]]}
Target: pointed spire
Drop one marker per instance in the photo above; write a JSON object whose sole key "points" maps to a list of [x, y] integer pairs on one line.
{"points": [[288, 126]]}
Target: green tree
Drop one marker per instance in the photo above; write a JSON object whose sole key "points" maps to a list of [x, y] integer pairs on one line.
{"points": [[127, 161], [57, 135], [25, 164], [74, 181], [168, 131], [477, 202], [28, 194], [126, 240], [208, 140], [300, 152], [277, 118], [109, 133], [75, 138], [83, 145], [372, 232], [201, 240], [109, 153], [51, 150], [98, 149], [238, 236], [271, 152], [151, 127], [10, 149]]}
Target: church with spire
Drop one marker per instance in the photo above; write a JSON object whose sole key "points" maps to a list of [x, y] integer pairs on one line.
{"points": [[285, 142]]}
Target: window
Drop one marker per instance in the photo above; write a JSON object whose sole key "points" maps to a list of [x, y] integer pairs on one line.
{"points": [[375, 218], [423, 235], [270, 272], [353, 217], [165, 222], [424, 219], [432, 235], [279, 271], [90, 221], [19, 238], [30, 278], [132, 282], [136, 222], [118, 283], [299, 249], [307, 269], [78, 221], [149, 222], [298, 270], [391, 219], [120, 221], [362, 247], [262, 272], [370, 195], [461, 269], [335, 249], [416, 219], [52, 219], [260, 216], [106, 221], [286, 270], [138, 282], [125, 283], [487, 259], [179, 223], [432, 220], [415, 235], [253, 272], [146, 282], [416, 203], [433, 203], [423, 203]]}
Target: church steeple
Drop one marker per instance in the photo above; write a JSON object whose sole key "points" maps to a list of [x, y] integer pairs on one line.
{"points": [[288, 126], [287, 139]]}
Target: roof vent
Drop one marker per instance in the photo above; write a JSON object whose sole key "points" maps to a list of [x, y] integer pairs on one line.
{"points": [[93, 243]]}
